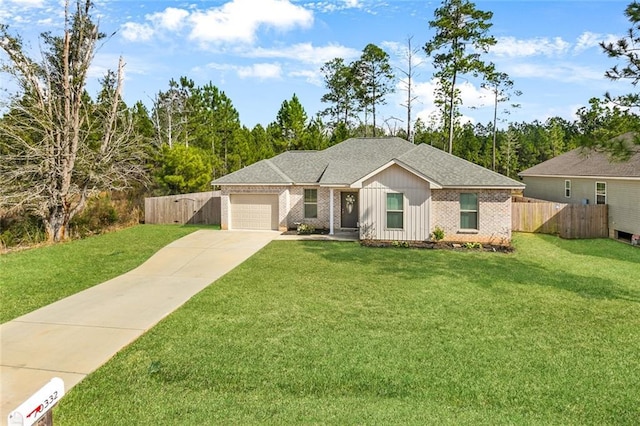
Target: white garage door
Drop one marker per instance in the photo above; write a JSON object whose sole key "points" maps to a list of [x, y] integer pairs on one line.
{"points": [[254, 211]]}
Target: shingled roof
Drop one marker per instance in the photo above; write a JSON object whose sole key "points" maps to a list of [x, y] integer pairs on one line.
{"points": [[350, 161], [589, 162]]}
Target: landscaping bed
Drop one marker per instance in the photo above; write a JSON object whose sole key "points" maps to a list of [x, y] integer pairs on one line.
{"points": [[439, 245]]}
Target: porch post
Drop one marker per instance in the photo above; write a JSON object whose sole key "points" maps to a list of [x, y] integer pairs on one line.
{"points": [[330, 211]]}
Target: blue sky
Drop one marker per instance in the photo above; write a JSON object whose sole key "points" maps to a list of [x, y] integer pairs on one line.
{"points": [[261, 52]]}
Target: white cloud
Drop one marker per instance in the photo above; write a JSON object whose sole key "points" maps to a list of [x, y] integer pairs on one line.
{"points": [[474, 97], [137, 32], [512, 47], [220, 67], [28, 3], [311, 77], [425, 109], [587, 40], [19, 11], [564, 72], [261, 71], [429, 113], [171, 19], [305, 52], [239, 20], [471, 95], [335, 6]]}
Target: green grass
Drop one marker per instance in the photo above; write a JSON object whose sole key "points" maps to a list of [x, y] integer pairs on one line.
{"points": [[335, 333], [37, 277]]}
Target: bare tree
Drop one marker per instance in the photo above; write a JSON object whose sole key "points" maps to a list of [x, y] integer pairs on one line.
{"points": [[58, 147], [500, 86], [409, 73]]}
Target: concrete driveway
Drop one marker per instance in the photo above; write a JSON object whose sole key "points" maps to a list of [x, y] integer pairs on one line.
{"points": [[74, 336]]}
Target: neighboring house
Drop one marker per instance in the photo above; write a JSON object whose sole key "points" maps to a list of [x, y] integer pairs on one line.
{"points": [[590, 176], [388, 188]]}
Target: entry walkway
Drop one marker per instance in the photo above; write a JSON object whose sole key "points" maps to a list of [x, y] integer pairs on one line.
{"points": [[74, 336]]}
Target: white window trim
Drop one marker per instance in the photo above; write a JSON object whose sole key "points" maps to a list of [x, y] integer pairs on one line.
{"points": [[605, 192], [305, 202], [387, 211], [567, 186], [476, 211]]}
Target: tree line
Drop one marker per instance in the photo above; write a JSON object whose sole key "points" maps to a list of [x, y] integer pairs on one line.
{"points": [[60, 147]]}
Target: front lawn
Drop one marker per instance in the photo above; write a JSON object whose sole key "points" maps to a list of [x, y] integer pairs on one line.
{"points": [[336, 333], [34, 278]]}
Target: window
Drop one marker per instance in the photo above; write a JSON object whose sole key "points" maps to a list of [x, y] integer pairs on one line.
{"points": [[468, 211], [395, 211], [601, 193], [567, 188], [310, 203]]}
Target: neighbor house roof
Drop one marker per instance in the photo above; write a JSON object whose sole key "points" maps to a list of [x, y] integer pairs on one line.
{"points": [[346, 163], [590, 162]]}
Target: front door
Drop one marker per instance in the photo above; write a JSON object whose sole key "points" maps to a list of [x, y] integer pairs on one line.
{"points": [[349, 209]]}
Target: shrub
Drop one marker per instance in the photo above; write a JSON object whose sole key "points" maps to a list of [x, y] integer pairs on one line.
{"points": [[305, 229], [400, 244], [472, 245], [21, 230], [437, 234], [99, 214]]}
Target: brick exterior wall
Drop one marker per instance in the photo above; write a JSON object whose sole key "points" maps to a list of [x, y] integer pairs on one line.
{"points": [[494, 215], [290, 205], [494, 211], [296, 214]]}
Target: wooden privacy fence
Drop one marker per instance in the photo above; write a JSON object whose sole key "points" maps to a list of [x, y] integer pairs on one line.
{"points": [[566, 220], [197, 208]]}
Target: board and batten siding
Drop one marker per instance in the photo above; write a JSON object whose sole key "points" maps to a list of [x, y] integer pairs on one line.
{"points": [[373, 206]]}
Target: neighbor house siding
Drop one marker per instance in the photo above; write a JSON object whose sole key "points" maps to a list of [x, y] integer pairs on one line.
{"points": [[623, 197], [281, 191], [373, 203], [494, 215], [552, 189]]}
